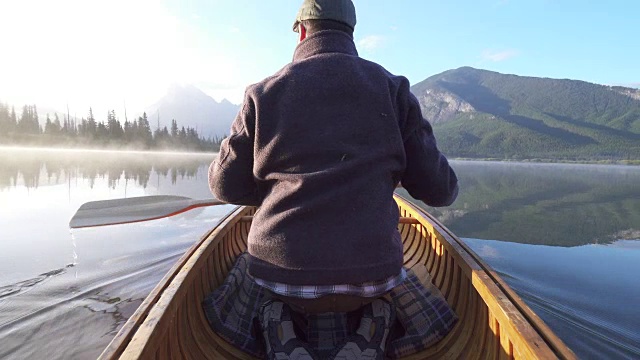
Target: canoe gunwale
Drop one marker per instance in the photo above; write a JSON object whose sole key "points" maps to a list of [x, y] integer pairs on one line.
{"points": [[122, 339], [480, 267]]}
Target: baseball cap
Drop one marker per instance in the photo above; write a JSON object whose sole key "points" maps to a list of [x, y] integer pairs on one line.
{"points": [[337, 10]]}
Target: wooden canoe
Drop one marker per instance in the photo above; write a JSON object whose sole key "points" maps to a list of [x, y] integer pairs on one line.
{"points": [[494, 322]]}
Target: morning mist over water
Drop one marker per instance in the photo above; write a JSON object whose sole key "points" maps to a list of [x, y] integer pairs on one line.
{"points": [[553, 204], [58, 286]]}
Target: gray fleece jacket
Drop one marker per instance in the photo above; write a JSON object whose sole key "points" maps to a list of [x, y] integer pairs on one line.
{"points": [[320, 147]]}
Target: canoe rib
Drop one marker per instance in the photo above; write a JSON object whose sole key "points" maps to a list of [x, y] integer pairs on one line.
{"points": [[494, 322]]}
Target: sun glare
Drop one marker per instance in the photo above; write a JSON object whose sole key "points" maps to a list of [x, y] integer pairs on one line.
{"points": [[94, 53]]}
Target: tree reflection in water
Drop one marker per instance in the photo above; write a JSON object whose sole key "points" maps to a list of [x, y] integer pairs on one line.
{"points": [[34, 168], [549, 204]]}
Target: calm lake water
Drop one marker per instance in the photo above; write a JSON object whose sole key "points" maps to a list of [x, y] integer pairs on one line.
{"points": [[565, 237]]}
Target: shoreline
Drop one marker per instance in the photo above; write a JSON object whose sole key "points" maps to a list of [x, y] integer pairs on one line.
{"points": [[107, 150], [553, 161], [197, 153]]}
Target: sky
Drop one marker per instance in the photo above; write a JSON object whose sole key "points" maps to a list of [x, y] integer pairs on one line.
{"points": [[125, 53]]}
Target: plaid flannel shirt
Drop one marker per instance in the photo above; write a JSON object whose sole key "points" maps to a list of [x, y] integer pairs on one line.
{"points": [[369, 289], [232, 311]]}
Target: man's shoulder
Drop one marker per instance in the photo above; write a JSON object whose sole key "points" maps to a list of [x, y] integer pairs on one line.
{"points": [[294, 69], [398, 79], [260, 87]]}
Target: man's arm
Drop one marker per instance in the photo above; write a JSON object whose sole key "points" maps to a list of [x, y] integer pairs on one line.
{"points": [[428, 176], [231, 175]]}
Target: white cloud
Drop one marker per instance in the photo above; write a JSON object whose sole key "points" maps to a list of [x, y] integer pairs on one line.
{"points": [[371, 42], [497, 56], [488, 252]]}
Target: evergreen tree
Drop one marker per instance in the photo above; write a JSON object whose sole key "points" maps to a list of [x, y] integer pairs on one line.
{"points": [[102, 133], [65, 126], [144, 130], [48, 126], [92, 126], [113, 126], [56, 124], [35, 120], [5, 121], [13, 120], [82, 128], [25, 119], [68, 129], [134, 130], [174, 128], [157, 136], [127, 131], [28, 123]]}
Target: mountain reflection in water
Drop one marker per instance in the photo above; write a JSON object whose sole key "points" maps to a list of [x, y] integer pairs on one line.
{"points": [[549, 204]]}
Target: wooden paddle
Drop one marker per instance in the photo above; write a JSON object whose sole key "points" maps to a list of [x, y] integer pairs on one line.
{"points": [[136, 209]]}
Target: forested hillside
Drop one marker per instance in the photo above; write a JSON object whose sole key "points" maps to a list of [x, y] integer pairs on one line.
{"points": [[480, 114]]}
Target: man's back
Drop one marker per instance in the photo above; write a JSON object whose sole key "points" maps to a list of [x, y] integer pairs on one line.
{"points": [[320, 147]]}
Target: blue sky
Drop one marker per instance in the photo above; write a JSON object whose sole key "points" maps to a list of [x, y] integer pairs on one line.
{"points": [[107, 52], [592, 41]]}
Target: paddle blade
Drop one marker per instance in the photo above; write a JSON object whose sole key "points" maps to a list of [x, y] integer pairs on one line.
{"points": [[136, 209]]}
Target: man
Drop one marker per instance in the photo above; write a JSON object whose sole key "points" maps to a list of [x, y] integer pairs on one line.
{"points": [[320, 147]]}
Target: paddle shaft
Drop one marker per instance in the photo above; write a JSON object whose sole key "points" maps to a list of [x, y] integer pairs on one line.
{"points": [[144, 208], [401, 220]]}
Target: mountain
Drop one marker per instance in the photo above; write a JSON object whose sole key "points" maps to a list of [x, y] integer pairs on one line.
{"points": [[191, 107], [478, 113]]}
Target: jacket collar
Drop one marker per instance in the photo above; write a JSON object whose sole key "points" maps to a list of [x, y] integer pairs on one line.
{"points": [[326, 41]]}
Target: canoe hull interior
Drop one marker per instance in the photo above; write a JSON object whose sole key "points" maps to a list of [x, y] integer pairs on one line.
{"points": [[494, 322]]}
